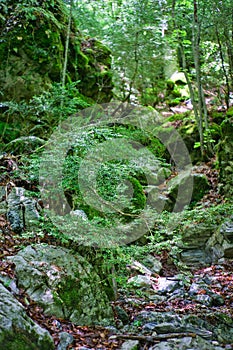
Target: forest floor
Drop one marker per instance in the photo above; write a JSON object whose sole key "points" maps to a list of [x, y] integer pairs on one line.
{"points": [[99, 337]]}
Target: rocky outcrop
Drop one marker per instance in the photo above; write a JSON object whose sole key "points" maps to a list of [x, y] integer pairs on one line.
{"points": [[33, 49], [23, 212], [220, 245], [65, 285], [17, 330], [191, 310], [187, 188], [206, 244]]}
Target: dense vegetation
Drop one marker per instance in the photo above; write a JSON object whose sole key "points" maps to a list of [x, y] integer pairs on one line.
{"points": [[103, 105]]}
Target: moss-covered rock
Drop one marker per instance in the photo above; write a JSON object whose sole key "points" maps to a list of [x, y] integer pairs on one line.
{"points": [[177, 89], [229, 112], [187, 189], [17, 330], [33, 48], [64, 284]]}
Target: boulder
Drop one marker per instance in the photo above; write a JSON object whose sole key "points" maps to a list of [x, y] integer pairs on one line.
{"points": [[166, 285], [17, 330], [139, 281], [194, 239], [187, 188], [36, 57], [64, 284], [206, 244], [153, 264], [23, 211], [186, 343], [220, 244], [171, 322], [130, 345], [65, 340]]}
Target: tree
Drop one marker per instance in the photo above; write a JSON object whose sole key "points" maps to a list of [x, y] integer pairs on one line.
{"points": [[134, 31]]}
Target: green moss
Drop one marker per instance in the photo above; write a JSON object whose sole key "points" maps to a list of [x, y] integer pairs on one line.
{"points": [[68, 293], [170, 85], [229, 112], [32, 53], [174, 102], [22, 340], [139, 198]]}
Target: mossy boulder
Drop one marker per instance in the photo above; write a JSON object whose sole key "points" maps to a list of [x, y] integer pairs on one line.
{"points": [[187, 188], [229, 112], [177, 89], [64, 284], [17, 330], [33, 49]]}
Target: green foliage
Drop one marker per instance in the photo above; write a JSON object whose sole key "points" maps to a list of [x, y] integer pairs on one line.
{"points": [[114, 178], [229, 112], [43, 112], [132, 29], [166, 235], [32, 53]]}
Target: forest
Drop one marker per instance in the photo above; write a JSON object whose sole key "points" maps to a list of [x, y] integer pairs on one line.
{"points": [[116, 174]]}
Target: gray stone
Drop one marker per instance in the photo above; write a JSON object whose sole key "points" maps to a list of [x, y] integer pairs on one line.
{"points": [[167, 327], [170, 322], [65, 340], [166, 285], [186, 188], [204, 299], [227, 230], [23, 212], [186, 343], [160, 322], [80, 213], [153, 264], [158, 298], [220, 244], [65, 285], [197, 236], [140, 281], [130, 345], [194, 289], [149, 327], [136, 265], [17, 330], [207, 244]]}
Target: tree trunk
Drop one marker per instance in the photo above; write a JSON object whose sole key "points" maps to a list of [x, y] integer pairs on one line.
{"points": [[63, 80], [196, 55]]}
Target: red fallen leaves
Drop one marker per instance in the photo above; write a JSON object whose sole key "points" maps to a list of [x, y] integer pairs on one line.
{"points": [[201, 291], [97, 337], [91, 337]]}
